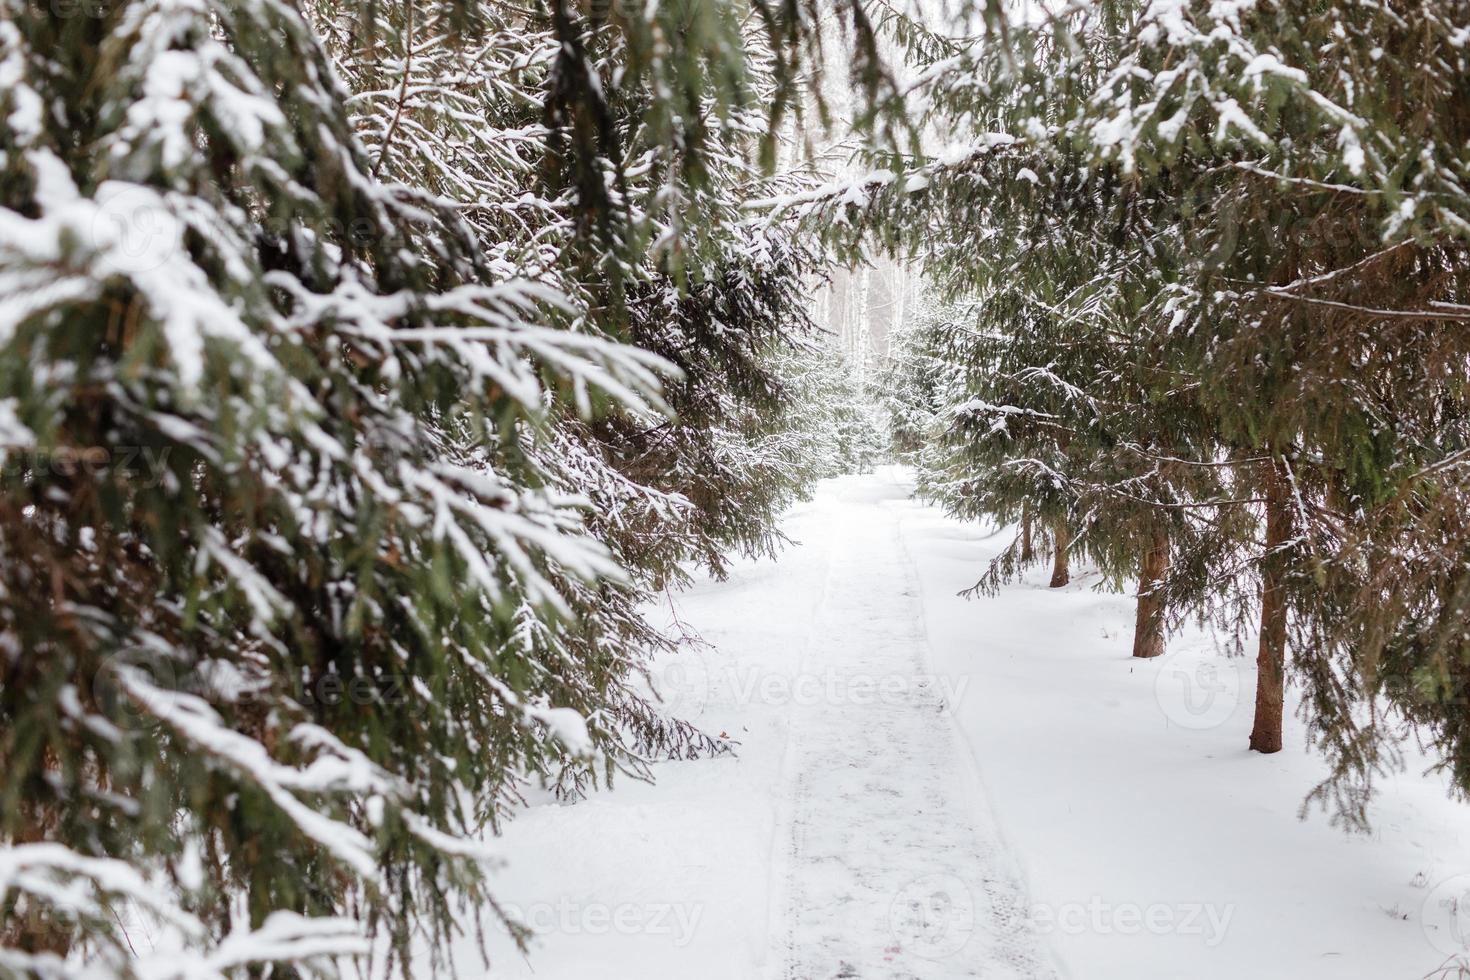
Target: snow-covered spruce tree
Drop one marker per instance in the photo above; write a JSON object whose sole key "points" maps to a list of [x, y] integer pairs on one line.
{"points": [[730, 451], [461, 117], [1310, 228], [264, 647], [647, 235], [722, 298], [836, 414], [1310, 306], [292, 598], [1364, 301], [916, 381], [1068, 418]]}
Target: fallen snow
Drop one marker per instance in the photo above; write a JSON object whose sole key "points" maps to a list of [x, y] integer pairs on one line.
{"points": [[1112, 800]]}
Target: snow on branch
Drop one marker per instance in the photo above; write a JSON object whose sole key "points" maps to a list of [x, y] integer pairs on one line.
{"points": [[859, 192], [141, 929]]}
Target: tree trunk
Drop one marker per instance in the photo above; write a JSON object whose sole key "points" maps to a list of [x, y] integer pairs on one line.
{"points": [[1271, 658], [1028, 550], [1148, 629], [1059, 574]]}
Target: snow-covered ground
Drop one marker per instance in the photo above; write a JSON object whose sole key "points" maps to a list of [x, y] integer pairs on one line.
{"points": [[930, 787]]}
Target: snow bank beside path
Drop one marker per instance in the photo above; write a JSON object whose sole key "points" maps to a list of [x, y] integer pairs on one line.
{"points": [[1155, 844]]}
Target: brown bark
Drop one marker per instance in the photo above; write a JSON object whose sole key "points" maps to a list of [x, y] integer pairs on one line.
{"points": [[1028, 548], [1271, 657], [1060, 576], [1148, 628], [42, 928]]}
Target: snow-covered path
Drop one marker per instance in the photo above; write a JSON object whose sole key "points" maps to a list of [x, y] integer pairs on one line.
{"points": [[887, 865]]}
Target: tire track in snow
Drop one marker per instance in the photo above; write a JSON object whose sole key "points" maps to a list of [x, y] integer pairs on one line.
{"points": [[888, 865]]}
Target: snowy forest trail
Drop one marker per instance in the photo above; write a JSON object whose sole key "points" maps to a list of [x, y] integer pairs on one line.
{"points": [[889, 731], [887, 864]]}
